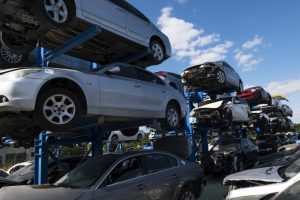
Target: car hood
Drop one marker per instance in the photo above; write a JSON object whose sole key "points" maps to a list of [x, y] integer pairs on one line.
{"points": [[42, 192], [267, 174], [213, 105]]}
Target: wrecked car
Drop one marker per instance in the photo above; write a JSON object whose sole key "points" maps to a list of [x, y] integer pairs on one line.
{"points": [[256, 95], [255, 184], [212, 78], [124, 29], [230, 155], [287, 111], [260, 120], [268, 143], [228, 110]]}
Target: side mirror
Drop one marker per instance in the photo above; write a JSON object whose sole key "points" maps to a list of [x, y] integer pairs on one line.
{"points": [[113, 70]]}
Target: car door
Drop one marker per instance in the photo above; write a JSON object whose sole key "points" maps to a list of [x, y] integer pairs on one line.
{"points": [[106, 13], [153, 93], [120, 91], [138, 25], [163, 175], [124, 182]]}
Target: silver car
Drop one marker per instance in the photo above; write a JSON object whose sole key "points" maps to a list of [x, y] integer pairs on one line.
{"points": [[56, 98], [125, 30], [172, 79]]}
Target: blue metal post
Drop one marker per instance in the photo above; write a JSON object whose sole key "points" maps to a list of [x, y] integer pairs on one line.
{"points": [[41, 159]]}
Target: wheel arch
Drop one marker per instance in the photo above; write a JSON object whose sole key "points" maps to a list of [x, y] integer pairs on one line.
{"points": [[158, 39], [65, 83], [175, 102]]}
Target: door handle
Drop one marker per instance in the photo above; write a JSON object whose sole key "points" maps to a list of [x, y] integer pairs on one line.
{"points": [[163, 91], [136, 85], [141, 187]]}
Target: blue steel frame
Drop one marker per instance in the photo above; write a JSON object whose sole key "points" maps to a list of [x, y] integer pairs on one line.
{"points": [[92, 133]]}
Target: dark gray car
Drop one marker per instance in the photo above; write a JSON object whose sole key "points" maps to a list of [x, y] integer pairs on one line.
{"points": [[128, 176]]}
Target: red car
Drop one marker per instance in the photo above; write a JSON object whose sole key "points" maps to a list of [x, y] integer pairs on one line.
{"points": [[256, 95]]}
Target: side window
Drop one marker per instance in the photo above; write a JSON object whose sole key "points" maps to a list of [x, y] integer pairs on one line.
{"points": [[122, 71], [13, 170], [158, 162], [125, 170], [146, 76]]}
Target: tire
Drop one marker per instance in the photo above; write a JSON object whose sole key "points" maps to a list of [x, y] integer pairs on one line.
{"points": [[221, 77], [186, 194], [157, 50], [129, 132], [9, 59], [57, 15], [139, 138], [114, 139], [17, 44], [59, 117], [172, 119]]}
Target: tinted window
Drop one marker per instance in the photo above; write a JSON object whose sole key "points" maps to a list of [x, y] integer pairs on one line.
{"points": [[291, 193], [158, 162], [125, 170], [146, 76], [125, 71]]}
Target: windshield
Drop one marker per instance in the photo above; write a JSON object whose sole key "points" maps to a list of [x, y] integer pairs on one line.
{"points": [[226, 147], [292, 170], [87, 174], [26, 173]]}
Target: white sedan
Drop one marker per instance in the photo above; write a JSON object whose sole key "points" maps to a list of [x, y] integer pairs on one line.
{"points": [[56, 98]]}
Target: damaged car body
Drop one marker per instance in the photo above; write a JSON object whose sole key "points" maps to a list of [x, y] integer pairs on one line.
{"points": [[228, 110], [212, 77]]}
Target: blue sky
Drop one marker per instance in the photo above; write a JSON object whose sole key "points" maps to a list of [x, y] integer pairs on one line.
{"points": [[259, 38]]}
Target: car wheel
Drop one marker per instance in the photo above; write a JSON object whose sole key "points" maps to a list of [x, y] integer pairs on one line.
{"points": [[58, 13], [221, 77], [9, 59], [57, 109], [139, 138], [17, 44], [157, 52], [114, 139], [173, 118], [187, 194], [129, 132]]}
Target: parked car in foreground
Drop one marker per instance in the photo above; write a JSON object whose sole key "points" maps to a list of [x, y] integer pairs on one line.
{"points": [[212, 78], [9, 59], [127, 176], [268, 143], [256, 95], [224, 110], [262, 183], [172, 79], [25, 175], [125, 30], [230, 155], [55, 99]]}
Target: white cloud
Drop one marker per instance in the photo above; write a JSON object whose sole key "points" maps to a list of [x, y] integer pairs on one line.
{"points": [[188, 41], [257, 40], [181, 1], [246, 60], [290, 87]]}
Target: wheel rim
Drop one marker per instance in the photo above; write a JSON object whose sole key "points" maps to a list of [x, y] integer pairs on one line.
{"points": [[221, 77], [9, 56], [56, 10], [59, 109], [188, 196], [173, 117], [114, 140], [157, 52]]}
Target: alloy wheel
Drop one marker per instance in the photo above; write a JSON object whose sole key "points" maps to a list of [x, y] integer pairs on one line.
{"points": [[56, 10], [188, 196], [9, 56], [59, 109], [157, 52], [220, 77], [173, 118]]}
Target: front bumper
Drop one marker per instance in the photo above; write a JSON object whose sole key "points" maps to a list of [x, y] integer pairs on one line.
{"points": [[18, 95]]}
